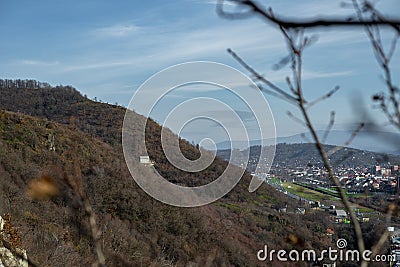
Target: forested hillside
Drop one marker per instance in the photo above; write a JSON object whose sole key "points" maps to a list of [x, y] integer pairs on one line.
{"points": [[55, 137]]}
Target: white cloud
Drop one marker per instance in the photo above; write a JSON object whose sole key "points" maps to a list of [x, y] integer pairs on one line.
{"points": [[319, 8], [31, 62], [212, 42], [215, 2], [280, 76], [95, 65], [117, 30], [152, 47], [314, 75]]}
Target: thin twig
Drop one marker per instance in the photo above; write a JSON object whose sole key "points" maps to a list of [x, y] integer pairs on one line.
{"points": [[77, 187], [305, 138], [329, 127], [348, 141], [393, 46], [273, 93], [324, 97], [295, 118], [260, 77], [290, 85], [101, 260]]}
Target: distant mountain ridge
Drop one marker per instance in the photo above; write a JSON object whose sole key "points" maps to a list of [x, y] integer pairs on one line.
{"points": [[302, 154], [376, 141]]}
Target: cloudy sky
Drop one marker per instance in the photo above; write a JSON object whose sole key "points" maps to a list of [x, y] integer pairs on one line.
{"points": [[107, 49]]}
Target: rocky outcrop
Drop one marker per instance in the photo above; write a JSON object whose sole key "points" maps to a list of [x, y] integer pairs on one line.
{"points": [[10, 256]]}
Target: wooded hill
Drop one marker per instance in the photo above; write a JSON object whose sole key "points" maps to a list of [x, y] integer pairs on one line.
{"points": [[56, 136]]}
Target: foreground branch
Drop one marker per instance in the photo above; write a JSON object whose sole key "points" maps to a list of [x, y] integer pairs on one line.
{"points": [[290, 23]]}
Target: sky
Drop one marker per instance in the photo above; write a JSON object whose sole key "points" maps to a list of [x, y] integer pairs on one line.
{"points": [[108, 49]]}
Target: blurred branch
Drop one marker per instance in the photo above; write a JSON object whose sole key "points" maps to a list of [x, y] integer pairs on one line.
{"points": [[253, 7], [77, 186], [324, 97], [96, 234], [296, 119], [304, 137], [348, 141], [390, 106], [329, 127], [393, 46], [272, 93], [290, 85], [296, 43], [259, 77]]}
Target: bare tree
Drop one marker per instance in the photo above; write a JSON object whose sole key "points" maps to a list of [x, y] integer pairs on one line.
{"points": [[294, 31]]}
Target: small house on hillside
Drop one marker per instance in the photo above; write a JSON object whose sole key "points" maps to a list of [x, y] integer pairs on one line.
{"points": [[340, 214]]}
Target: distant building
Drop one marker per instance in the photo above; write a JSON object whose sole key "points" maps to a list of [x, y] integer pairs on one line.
{"points": [[283, 210], [145, 160], [394, 169], [340, 214], [315, 204], [301, 211], [376, 170]]}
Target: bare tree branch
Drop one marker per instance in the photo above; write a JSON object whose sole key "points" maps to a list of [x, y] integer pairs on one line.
{"points": [[324, 97], [348, 141], [290, 85], [295, 118], [77, 187], [303, 23], [366, 15], [295, 43], [273, 93], [258, 76], [383, 59], [101, 260], [304, 137], [329, 127], [393, 46]]}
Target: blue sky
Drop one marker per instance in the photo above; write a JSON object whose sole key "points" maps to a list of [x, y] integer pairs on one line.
{"points": [[107, 49]]}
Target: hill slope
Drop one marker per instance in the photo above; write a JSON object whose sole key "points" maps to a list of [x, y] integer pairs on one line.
{"points": [[65, 146]]}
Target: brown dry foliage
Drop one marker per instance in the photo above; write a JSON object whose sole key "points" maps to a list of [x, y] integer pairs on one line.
{"points": [[10, 233]]}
